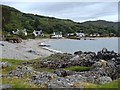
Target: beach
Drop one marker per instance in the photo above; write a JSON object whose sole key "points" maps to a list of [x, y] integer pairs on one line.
{"points": [[26, 50]]}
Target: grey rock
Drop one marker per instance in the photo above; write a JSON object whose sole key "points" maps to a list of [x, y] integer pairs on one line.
{"points": [[4, 64], [5, 86], [76, 78], [21, 71], [43, 77], [61, 72], [103, 80]]}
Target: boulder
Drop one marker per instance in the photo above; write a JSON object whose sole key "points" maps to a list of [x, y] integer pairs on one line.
{"points": [[106, 55], [103, 80], [4, 64], [5, 86], [76, 78], [42, 78], [61, 72], [16, 73], [21, 71], [78, 53]]}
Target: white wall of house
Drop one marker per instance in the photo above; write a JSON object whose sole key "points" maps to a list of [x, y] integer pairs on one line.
{"points": [[37, 33], [57, 35], [18, 32], [80, 34]]}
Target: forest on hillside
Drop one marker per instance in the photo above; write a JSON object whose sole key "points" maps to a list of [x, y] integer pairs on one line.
{"points": [[13, 19]]}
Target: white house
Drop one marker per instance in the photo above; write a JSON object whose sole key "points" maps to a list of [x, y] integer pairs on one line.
{"points": [[95, 35], [16, 32], [70, 34], [37, 33], [20, 31], [80, 34], [24, 31], [56, 35]]}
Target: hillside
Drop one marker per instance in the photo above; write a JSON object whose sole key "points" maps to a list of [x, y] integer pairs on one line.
{"points": [[14, 19]]}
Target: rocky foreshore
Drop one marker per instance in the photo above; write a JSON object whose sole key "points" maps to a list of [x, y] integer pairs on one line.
{"points": [[104, 68]]}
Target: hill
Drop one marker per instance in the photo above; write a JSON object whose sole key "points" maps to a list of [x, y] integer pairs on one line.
{"points": [[14, 19]]}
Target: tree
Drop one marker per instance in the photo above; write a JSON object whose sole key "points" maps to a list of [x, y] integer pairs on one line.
{"points": [[37, 25]]}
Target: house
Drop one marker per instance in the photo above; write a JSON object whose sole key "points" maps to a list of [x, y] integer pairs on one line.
{"points": [[20, 31], [80, 35], [38, 33], [70, 34], [16, 32], [95, 35], [24, 31], [56, 35]]}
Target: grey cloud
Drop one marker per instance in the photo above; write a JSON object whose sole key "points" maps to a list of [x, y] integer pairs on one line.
{"points": [[77, 11]]}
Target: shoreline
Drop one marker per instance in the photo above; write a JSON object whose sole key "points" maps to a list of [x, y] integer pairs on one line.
{"points": [[52, 50], [29, 49]]}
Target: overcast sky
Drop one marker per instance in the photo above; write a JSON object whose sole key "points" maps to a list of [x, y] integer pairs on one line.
{"points": [[76, 11]]}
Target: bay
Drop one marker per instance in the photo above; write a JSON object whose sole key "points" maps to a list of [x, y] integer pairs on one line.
{"points": [[70, 45]]}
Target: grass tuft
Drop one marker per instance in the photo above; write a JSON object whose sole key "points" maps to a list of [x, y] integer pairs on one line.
{"points": [[77, 68]]}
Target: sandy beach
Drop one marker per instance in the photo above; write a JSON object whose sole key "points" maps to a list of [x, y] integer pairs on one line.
{"points": [[26, 50]]}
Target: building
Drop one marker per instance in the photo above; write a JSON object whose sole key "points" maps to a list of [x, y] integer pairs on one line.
{"points": [[38, 33], [80, 35], [95, 35], [20, 31], [56, 35], [70, 34]]}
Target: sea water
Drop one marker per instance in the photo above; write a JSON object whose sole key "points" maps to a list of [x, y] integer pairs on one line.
{"points": [[71, 45]]}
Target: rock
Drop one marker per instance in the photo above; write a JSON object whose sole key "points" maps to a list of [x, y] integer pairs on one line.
{"points": [[104, 50], [43, 78], [105, 68], [15, 73], [106, 55], [21, 71], [76, 78], [2, 44], [58, 83], [4, 64], [5, 86], [33, 52], [56, 61], [76, 58], [103, 80], [66, 60], [117, 74], [99, 64], [15, 40], [61, 72], [78, 53]]}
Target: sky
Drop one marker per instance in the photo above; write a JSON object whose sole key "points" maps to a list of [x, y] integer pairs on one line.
{"points": [[76, 11]]}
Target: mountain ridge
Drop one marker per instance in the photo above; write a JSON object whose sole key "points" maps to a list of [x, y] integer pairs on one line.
{"points": [[13, 19]]}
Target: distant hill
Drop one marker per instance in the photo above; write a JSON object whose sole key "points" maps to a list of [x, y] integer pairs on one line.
{"points": [[13, 19]]}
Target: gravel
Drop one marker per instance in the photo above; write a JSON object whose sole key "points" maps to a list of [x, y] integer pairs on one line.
{"points": [[20, 50]]}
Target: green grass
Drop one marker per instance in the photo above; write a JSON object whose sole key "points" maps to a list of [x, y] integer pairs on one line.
{"points": [[44, 69], [12, 61], [18, 82], [13, 64], [77, 68], [113, 85]]}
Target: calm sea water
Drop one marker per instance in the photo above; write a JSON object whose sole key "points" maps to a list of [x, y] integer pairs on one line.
{"points": [[70, 45]]}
